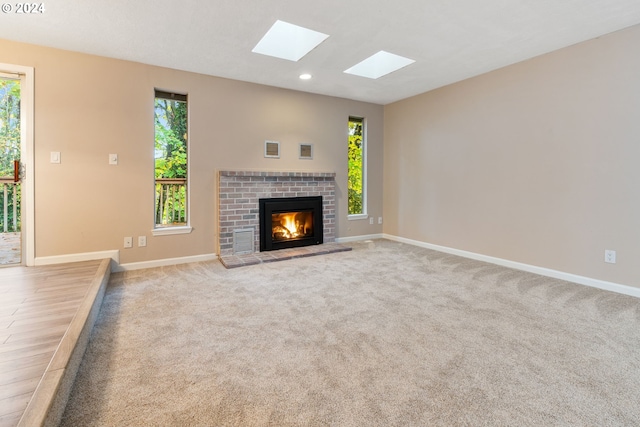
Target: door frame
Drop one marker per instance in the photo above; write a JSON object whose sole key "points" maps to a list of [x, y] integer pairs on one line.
{"points": [[27, 146]]}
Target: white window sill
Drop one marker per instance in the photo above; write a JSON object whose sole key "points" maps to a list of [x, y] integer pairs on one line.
{"points": [[357, 217], [167, 231]]}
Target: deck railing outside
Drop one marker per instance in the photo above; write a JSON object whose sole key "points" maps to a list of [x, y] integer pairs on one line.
{"points": [[171, 201], [9, 205]]}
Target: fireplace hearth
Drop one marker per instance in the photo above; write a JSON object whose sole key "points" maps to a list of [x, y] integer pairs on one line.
{"points": [[289, 222]]}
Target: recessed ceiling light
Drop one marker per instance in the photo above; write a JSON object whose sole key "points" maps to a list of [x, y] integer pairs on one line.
{"points": [[378, 65], [288, 41], [305, 76]]}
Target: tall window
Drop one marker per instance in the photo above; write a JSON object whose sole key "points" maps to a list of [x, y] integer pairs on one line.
{"points": [[356, 178], [171, 126]]}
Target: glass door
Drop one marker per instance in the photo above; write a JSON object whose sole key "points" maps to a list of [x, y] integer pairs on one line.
{"points": [[10, 186]]}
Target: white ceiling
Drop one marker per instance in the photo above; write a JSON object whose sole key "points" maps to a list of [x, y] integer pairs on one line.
{"points": [[450, 40]]}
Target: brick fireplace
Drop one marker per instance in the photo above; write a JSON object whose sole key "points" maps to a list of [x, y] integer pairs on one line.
{"points": [[239, 193]]}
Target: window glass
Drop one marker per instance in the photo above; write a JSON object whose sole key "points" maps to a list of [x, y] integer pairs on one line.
{"points": [[356, 185], [171, 138]]}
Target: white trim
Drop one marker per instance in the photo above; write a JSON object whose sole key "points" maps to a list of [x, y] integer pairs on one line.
{"points": [[163, 262], [86, 256], [27, 103], [115, 256], [167, 231], [358, 238], [581, 280], [6, 75], [29, 238], [365, 167], [355, 217]]}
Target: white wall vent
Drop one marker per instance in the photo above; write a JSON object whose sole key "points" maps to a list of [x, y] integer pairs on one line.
{"points": [[306, 151], [243, 241], [272, 149]]}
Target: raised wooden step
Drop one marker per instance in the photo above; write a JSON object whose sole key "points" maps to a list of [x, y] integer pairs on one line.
{"points": [[46, 316]]}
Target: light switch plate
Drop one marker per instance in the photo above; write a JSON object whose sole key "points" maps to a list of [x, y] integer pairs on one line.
{"points": [[113, 159], [55, 157]]}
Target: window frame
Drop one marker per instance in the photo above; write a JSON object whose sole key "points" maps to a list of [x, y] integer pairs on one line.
{"points": [[183, 228], [364, 214]]}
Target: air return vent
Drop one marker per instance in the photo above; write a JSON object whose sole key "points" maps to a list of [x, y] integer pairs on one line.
{"points": [[243, 241], [272, 149], [306, 151]]}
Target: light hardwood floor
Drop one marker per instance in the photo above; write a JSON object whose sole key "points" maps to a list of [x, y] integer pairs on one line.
{"points": [[38, 306]]}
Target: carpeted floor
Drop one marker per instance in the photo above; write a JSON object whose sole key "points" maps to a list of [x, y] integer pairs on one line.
{"points": [[385, 335]]}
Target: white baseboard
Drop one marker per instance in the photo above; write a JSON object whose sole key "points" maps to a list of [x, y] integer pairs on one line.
{"points": [[162, 262], [358, 238], [595, 283], [115, 256], [86, 256]]}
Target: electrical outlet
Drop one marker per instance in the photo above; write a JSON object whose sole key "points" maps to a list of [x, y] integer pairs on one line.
{"points": [[371, 220], [142, 241], [379, 220], [609, 256], [128, 242]]}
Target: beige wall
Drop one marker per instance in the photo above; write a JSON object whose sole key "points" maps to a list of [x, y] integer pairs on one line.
{"points": [[87, 107], [537, 163]]}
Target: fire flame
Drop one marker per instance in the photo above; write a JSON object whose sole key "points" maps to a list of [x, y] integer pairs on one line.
{"points": [[291, 225], [289, 222]]}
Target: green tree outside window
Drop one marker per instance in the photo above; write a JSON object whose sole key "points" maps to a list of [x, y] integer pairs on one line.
{"points": [[171, 123], [355, 182], [9, 151]]}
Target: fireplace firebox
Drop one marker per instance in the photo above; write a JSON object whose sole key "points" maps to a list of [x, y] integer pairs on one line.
{"points": [[290, 222]]}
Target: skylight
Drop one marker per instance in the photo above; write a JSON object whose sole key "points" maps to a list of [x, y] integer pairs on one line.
{"points": [[378, 65], [288, 41]]}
